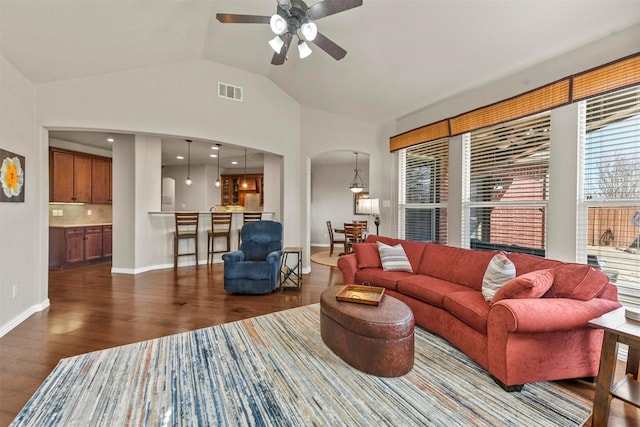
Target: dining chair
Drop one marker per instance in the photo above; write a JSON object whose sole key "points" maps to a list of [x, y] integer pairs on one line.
{"points": [[332, 239], [186, 229], [220, 227], [248, 217], [353, 233]]}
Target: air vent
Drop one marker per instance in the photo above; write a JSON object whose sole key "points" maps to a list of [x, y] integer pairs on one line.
{"points": [[230, 92]]}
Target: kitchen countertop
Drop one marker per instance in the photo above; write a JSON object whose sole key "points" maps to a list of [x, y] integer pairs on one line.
{"points": [[80, 225]]}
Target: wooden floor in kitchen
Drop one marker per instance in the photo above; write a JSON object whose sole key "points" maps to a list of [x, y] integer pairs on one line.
{"points": [[92, 309]]}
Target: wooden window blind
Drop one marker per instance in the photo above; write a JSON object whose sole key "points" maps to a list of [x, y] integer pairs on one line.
{"points": [[422, 134], [620, 74]]}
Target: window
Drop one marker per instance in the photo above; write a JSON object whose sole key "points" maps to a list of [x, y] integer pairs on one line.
{"points": [[609, 216], [506, 185], [422, 213]]}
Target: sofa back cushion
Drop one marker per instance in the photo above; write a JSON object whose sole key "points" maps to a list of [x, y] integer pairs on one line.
{"points": [[458, 265], [526, 263], [577, 281], [412, 249]]}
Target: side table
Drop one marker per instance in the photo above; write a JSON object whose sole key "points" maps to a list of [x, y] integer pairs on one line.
{"points": [[291, 274], [617, 329]]}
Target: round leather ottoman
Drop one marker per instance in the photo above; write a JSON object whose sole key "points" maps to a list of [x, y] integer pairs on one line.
{"points": [[377, 340]]}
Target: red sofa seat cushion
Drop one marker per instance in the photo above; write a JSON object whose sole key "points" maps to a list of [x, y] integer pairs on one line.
{"points": [[577, 281], [458, 265], [428, 289], [470, 307]]}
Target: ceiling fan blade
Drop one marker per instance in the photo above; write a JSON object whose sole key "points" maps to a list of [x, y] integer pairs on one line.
{"points": [[330, 47], [278, 58], [230, 18], [331, 7]]}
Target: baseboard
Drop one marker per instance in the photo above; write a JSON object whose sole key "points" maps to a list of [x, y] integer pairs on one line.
{"points": [[6, 328], [159, 267]]}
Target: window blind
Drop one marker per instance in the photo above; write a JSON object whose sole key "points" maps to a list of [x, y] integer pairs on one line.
{"points": [[609, 216], [508, 166], [423, 192]]}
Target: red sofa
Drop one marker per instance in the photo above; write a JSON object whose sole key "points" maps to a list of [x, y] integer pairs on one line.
{"points": [[518, 339]]}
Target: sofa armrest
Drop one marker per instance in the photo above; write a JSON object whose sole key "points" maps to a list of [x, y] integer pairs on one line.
{"points": [[546, 314], [274, 257], [348, 265], [233, 256]]}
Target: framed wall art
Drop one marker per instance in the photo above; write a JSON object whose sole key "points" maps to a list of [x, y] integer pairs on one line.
{"points": [[356, 199], [12, 167]]}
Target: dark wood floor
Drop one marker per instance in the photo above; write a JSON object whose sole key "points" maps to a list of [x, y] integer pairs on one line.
{"points": [[92, 309]]}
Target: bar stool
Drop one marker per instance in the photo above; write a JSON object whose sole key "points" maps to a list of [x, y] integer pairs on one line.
{"points": [[220, 227], [186, 228], [248, 217]]}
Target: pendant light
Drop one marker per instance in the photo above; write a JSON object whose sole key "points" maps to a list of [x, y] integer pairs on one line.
{"points": [[188, 181], [244, 176], [218, 180], [357, 185]]}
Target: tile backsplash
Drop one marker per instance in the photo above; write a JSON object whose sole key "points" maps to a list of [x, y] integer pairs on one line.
{"points": [[69, 214]]}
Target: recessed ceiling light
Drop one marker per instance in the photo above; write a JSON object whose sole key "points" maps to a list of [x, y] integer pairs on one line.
{"points": [[109, 139], [180, 157], [214, 147], [213, 155], [234, 163]]}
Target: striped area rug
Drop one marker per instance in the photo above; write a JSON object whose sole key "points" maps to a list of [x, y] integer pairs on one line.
{"points": [[274, 370]]}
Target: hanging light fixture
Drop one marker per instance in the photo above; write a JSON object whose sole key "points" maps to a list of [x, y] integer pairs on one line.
{"points": [[218, 180], [188, 181], [357, 185], [244, 176]]}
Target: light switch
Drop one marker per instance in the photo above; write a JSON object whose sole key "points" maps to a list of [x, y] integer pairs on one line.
{"points": [[89, 212]]}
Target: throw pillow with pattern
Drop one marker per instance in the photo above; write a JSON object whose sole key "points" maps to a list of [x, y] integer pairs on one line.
{"points": [[499, 271]]}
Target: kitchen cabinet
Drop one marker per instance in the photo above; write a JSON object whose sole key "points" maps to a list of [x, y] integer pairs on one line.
{"points": [[232, 192], [101, 181], [79, 178], [73, 246], [107, 240]]}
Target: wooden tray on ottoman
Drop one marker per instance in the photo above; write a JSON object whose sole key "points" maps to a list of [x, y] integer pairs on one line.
{"points": [[370, 295]]}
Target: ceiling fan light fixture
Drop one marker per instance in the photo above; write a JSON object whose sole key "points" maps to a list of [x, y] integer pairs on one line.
{"points": [[309, 30], [278, 24], [303, 49], [276, 44]]}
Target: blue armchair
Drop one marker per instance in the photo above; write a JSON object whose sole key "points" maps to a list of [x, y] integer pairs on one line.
{"points": [[255, 268]]}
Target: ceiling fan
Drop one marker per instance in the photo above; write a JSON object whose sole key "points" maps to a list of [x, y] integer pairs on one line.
{"points": [[295, 18]]}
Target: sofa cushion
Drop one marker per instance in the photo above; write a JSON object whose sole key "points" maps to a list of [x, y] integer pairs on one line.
{"points": [[526, 263], [367, 255], [379, 277], [470, 307], [577, 281], [412, 249], [462, 266], [499, 271], [529, 285], [428, 289], [393, 258]]}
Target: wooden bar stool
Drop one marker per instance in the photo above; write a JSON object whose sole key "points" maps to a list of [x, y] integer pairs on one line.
{"points": [[246, 218], [186, 228], [220, 227]]}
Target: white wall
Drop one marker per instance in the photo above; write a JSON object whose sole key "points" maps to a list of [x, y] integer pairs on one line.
{"points": [[331, 199], [23, 226]]}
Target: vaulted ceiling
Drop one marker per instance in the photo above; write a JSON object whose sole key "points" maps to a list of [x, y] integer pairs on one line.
{"points": [[402, 54]]}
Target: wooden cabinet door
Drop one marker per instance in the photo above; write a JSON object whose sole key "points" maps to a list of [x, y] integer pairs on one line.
{"points": [[74, 244], [101, 181], [93, 243], [61, 177], [82, 179], [107, 242]]}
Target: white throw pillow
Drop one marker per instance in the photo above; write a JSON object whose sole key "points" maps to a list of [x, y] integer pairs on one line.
{"points": [[393, 258], [499, 271]]}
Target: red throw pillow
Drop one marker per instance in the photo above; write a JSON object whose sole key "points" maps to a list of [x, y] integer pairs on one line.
{"points": [[577, 281], [529, 285], [367, 255]]}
